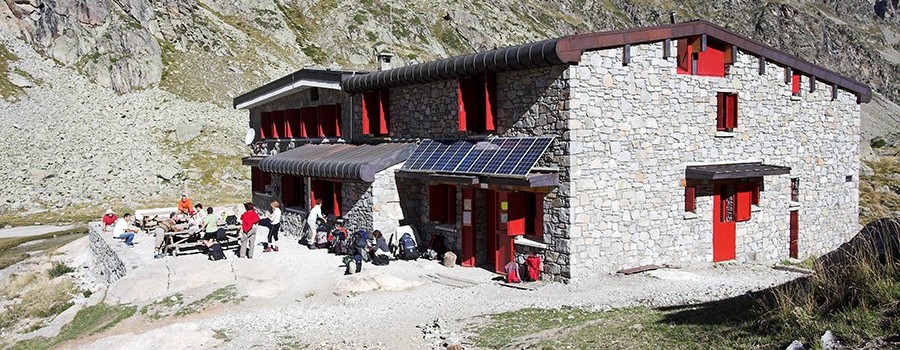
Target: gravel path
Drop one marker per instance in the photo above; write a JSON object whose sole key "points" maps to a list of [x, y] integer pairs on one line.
{"points": [[25, 231], [297, 296]]}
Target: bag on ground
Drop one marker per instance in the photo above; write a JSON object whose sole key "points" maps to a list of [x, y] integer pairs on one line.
{"points": [[216, 253], [380, 260], [533, 262], [449, 259], [512, 272], [231, 220], [220, 235], [408, 248]]}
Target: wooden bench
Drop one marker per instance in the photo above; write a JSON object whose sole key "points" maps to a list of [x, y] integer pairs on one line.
{"points": [[177, 241]]}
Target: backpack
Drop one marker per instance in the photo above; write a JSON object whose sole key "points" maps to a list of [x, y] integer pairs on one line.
{"points": [[380, 260], [361, 240], [216, 253], [512, 272], [221, 236], [408, 249], [231, 220], [533, 262]]}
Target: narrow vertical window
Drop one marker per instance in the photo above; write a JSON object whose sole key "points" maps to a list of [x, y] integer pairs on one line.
{"points": [[477, 104], [795, 84], [690, 199], [726, 111], [376, 113], [795, 189]]}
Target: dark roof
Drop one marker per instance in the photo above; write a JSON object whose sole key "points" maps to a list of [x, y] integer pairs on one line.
{"points": [[733, 171], [569, 49], [338, 161], [322, 75]]}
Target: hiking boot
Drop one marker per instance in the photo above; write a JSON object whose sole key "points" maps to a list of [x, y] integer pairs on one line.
{"points": [[275, 248], [267, 250]]}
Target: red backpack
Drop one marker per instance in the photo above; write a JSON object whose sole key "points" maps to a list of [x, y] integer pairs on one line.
{"points": [[533, 262], [512, 272]]}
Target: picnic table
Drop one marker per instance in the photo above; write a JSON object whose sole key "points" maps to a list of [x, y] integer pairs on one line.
{"points": [[188, 238]]}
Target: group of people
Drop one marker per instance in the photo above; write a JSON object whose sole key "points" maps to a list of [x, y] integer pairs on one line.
{"points": [[252, 225]]}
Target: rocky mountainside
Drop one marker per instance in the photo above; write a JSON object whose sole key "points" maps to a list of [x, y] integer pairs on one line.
{"points": [[82, 78]]}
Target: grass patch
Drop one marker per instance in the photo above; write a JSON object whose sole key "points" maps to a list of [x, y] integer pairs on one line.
{"points": [[59, 269], [12, 251], [8, 90], [224, 295], [164, 307], [90, 320], [34, 297], [856, 298], [879, 194]]}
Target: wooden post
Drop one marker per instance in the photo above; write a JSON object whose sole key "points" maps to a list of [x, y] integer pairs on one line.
{"points": [[626, 54], [762, 65]]}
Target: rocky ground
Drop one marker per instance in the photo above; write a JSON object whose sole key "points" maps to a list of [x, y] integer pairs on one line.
{"points": [[297, 297]]}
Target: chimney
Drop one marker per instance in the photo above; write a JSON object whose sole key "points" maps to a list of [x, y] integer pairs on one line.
{"points": [[673, 17], [384, 60]]}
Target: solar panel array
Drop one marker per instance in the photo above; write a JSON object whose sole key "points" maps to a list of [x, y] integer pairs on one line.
{"points": [[495, 156]]}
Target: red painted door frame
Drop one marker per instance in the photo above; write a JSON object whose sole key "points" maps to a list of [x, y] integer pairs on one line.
{"points": [[468, 229], [724, 229], [795, 234]]}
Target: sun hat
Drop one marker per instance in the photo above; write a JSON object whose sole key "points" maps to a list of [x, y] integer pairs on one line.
{"points": [[109, 212]]}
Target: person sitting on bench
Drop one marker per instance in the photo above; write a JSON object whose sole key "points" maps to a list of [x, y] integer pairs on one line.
{"points": [[124, 230]]}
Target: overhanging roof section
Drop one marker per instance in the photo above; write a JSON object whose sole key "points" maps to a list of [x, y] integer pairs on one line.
{"points": [[533, 55], [338, 161], [304, 78], [569, 50], [733, 171]]}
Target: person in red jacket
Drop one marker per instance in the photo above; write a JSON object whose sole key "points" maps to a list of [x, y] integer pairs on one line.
{"points": [[109, 219], [249, 221]]}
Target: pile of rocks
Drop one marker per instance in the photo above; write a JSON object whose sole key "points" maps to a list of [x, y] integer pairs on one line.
{"points": [[433, 334]]}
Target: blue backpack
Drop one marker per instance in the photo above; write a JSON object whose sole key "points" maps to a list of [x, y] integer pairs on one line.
{"points": [[408, 248]]}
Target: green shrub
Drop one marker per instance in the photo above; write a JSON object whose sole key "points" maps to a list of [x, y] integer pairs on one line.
{"points": [[59, 269]]}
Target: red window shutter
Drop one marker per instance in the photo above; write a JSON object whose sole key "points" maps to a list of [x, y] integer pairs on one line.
{"points": [[490, 101], [461, 106], [451, 204], [755, 199], [684, 57], [364, 100], [731, 115], [538, 218], [327, 120], [279, 124], [516, 214], [711, 63], [384, 109], [690, 199], [337, 120], [264, 132], [437, 203], [795, 84], [309, 117], [743, 198], [336, 198], [721, 124], [322, 116]]}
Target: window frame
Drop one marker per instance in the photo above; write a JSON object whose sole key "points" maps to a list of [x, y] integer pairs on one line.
{"points": [[375, 107], [727, 108], [476, 99], [442, 205]]}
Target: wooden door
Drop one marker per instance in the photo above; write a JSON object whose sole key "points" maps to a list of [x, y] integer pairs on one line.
{"points": [[795, 234], [503, 248], [466, 207], [491, 234], [724, 227]]}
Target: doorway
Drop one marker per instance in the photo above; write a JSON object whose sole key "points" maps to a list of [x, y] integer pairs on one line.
{"points": [[724, 226], [795, 234]]}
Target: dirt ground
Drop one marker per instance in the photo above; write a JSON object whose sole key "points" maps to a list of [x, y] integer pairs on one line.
{"points": [[297, 297]]}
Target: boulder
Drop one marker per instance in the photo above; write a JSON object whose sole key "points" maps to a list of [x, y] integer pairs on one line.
{"points": [[866, 170], [167, 172], [20, 81], [186, 132], [829, 341], [795, 345], [449, 259]]}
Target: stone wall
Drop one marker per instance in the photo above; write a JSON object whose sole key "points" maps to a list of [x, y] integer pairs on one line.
{"points": [[635, 128], [107, 262], [530, 103], [386, 209], [356, 205]]}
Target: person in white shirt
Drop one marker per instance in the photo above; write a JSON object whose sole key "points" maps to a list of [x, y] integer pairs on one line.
{"points": [[314, 214], [275, 222], [123, 230]]}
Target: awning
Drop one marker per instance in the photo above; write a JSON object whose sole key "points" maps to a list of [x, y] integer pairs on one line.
{"points": [[338, 161], [251, 161], [733, 171]]}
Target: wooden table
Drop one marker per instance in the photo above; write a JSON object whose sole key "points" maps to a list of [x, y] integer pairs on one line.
{"points": [[186, 238]]}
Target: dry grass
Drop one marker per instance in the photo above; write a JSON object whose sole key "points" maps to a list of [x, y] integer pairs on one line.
{"points": [[878, 194], [35, 296]]}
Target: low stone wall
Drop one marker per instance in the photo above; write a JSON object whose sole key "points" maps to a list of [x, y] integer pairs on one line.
{"points": [[107, 262]]}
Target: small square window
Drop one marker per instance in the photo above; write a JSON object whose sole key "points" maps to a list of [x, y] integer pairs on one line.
{"points": [[848, 178]]}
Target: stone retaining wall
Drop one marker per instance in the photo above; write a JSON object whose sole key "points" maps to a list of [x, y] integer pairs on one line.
{"points": [[107, 262]]}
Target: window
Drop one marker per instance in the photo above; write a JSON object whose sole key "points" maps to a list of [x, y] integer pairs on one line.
{"points": [[747, 196], [259, 179], [278, 124], [265, 129], [690, 199], [310, 119], [330, 119], [292, 191], [477, 103], [726, 111], [795, 190], [525, 214], [330, 194], [313, 94], [376, 113], [442, 204], [294, 123], [795, 84], [694, 59]]}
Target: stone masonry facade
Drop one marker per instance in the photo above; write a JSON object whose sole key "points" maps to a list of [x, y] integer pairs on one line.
{"points": [[635, 128]]}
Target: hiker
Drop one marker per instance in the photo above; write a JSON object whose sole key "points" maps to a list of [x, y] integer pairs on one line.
{"points": [[184, 205], [159, 234], [124, 230], [249, 226], [109, 219], [210, 226], [314, 214], [361, 248], [380, 252], [199, 213], [275, 222]]}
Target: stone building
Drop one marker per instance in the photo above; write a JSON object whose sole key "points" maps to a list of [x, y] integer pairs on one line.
{"points": [[674, 144]]}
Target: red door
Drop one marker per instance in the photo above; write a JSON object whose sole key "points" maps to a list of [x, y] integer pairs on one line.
{"points": [[503, 252], [795, 233], [493, 214], [468, 228], [723, 223]]}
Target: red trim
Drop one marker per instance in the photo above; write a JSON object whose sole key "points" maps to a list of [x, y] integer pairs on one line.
{"points": [[461, 106], [383, 111], [743, 199], [490, 101], [468, 233], [690, 199], [795, 84], [337, 120], [516, 212], [731, 111], [711, 62], [794, 249], [538, 215], [365, 113]]}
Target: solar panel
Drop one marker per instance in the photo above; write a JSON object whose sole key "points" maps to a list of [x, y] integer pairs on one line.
{"points": [[513, 156]]}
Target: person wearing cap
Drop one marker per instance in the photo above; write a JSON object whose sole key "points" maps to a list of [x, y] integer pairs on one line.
{"points": [[185, 206], [109, 219]]}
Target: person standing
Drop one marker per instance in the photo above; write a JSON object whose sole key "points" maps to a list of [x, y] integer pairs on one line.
{"points": [[109, 219], [249, 225], [210, 226], [275, 219], [314, 214]]}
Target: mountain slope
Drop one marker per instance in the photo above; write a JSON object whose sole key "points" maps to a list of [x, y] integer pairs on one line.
{"points": [[179, 63]]}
